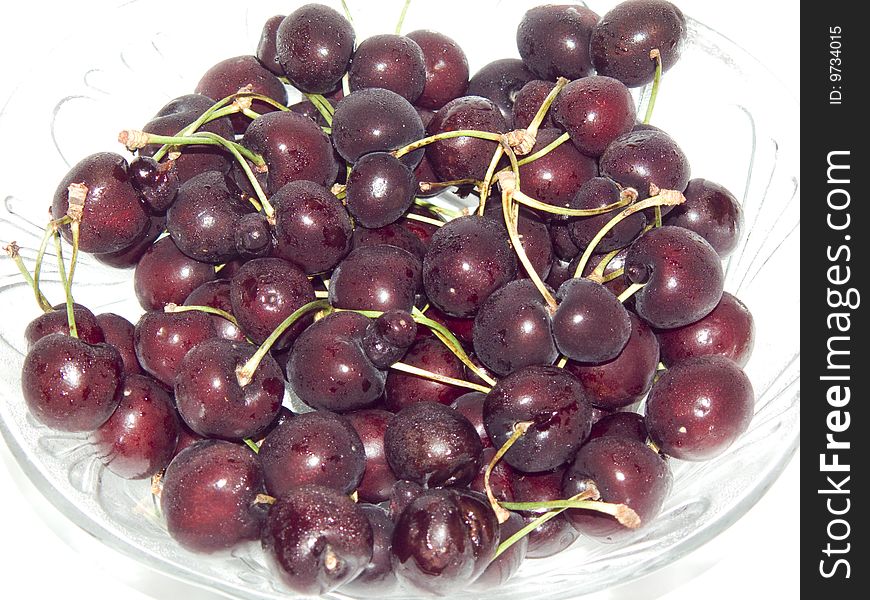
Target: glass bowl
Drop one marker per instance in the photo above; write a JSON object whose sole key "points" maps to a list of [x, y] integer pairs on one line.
{"points": [[730, 115]]}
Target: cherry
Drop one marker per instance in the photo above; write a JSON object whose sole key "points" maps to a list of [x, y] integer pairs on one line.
{"points": [[216, 294], [628, 425], [306, 108], [376, 120], [204, 217], [232, 74], [559, 274], [555, 404], [433, 445], [404, 389], [391, 62], [56, 321], [129, 257], [500, 477], [388, 337], [468, 259], [163, 339], [267, 50], [505, 566], [209, 496], [319, 448], [729, 330], [529, 100], [646, 157], [599, 192], [314, 45], [312, 228], [166, 275], [113, 217], [328, 368], [402, 494], [69, 384], [316, 539], [699, 407], [118, 332], [554, 40], [555, 535], [294, 147], [712, 212], [622, 40], [513, 329], [591, 324], [423, 231], [470, 406], [446, 68], [626, 472], [394, 234], [468, 534], [555, 177], [500, 81], [564, 246], [139, 438], [377, 578], [683, 276], [376, 278], [264, 292], [378, 479], [253, 236], [628, 377], [186, 438], [464, 157], [594, 111], [380, 189], [157, 183]]}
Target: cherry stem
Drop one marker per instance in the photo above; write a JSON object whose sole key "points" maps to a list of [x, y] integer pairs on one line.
{"points": [[655, 55], [179, 308], [664, 198], [253, 446], [446, 135], [562, 362], [323, 107], [545, 150], [658, 216], [77, 193], [597, 274], [245, 373], [134, 140], [611, 276], [321, 293], [402, 17], [532, 129], [526, 200], [345, 84], [61, 268], [518, 432], [428, 186], [631, 291], [487, 179], [422, 219], [14, 252], [346, 11], [264, 499], [448, 339], [624, 514], [438, 210], [40, 256], [412, 370]]}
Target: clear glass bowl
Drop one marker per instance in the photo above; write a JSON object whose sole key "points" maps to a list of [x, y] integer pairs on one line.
{"points": [[730, 115]]}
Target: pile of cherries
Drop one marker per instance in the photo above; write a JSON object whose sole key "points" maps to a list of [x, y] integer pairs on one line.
{"points": [[471, 373]]}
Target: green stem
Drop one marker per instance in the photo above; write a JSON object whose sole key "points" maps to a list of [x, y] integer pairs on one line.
{"points": [[545, 150], [323, 107], [448, 339], [487, 179], [597, 273], [658, 216], [630, 291], [568, 212], [402, 17], [40, 256], [13, 250], [346, 11], [446, 135], [518, 432], [422, 219], [268, 210], [545, 106], [178, 308], [438, 210], [513, 233], [252, 445], [655, 55], [199, 138], [70, 315], [412, 370]]}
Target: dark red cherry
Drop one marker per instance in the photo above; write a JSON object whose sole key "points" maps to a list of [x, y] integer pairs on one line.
{"points": [[729, 330], [712, 212], [56, 321], [307, 109], [622, 40], [646, 157], [505, 566], [682, 274], [468, 259], [625, 472], [470, 406], [166, 275], [500, 81], [157, 183], [402, 494], [378, 479], [212, 400], [139, 438], [394, 234], [559, 274], [232, 74], [216, 294], [376, 120], [628, 377], [528, 100], [380, 189], [163, 339], [628, 425], [699, 407], [209, 496], [534, 238], [555, 535], [388, 337], [294, 148], [267, 50], [594, 111], [266, 291], [599, 192], [377, 578], [555, 177], [128, 257], [204, 217], [403, 389], [564, 246], [446, 69], [553, 40], [253, 236], [391, 62], [69, 384], [317, 447], [468, 534], [513, 329], [316, 539], [376, 278], [312, 228], [433, 445], [464, 157], [424, 173], [118, 332], [591, 324], [314, 45], [114, 216], [186, 438]]}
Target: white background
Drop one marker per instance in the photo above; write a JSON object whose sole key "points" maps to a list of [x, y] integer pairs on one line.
{"points": [[44, 556]]}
